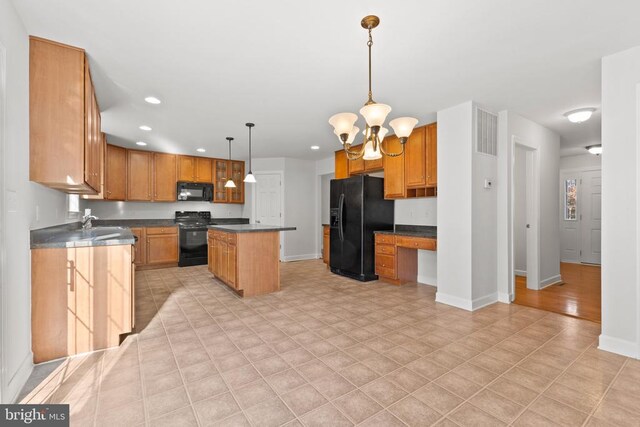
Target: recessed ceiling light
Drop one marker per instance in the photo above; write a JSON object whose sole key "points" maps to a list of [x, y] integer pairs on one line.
{"points": [[200, 150], [140, 143], [152, 100], [315, 147], [145, 127], [580, 115], [595, 149]]}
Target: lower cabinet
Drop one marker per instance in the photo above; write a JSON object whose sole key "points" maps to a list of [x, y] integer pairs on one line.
{"points": [[397, 256], [82, 299], [156, 247], [140, 246], [223, 262]]}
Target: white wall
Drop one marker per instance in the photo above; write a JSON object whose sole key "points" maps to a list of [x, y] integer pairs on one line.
{"points": [[146, 210], [547, 144], [421, 211], [620, 203], [454, 205], [25, 206], [580, 161], [519, 210]]}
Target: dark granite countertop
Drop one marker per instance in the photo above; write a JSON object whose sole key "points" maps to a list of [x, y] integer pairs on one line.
{"points": [[249, 228], [160, 222], [428, 231], [73, 236]]}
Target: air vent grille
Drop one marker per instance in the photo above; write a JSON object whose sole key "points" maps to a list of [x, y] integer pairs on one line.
{"points": [[486, 132]]}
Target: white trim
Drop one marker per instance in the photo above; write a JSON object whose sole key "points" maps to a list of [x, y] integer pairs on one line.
{"points": [[505, 297], [550, 281], [254, 195], [467, 304], [616, 345], [300, 257], [427, 280], [3, 311], [520, 272]]}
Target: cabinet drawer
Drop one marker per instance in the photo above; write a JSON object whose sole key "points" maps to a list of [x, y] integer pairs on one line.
{"points": [[416, 243], [162, 230], [386, 272], [385, 249], [386, 238], [231, 238], [386, 261]]}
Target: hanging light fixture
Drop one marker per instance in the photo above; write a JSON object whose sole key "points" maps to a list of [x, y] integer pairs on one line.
{"points": [[250, 178], [374, 114], [230, 183]]}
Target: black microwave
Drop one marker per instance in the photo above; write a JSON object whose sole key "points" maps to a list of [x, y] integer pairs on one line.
{"points": [[194, 192]]}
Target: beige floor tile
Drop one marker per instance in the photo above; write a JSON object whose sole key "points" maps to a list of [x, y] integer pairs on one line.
{"points": [[407, 379], [513, 391], [414, 412], [558, 412], [333, 386], [496, 405], [458, 385], [286, 381], [253, 393], [180, 417], [475, 373], [206, 388], [272, 412], [338, 360], [427, 368], [533, 419], [578, 399], [130, 414], [469, 415], [214, 409], [303, 399], [314, 370], [384, 391], [437, 398], [359, 374], [167, 401], [623, 400], [357, 406], [384, 419], [327, 415]]}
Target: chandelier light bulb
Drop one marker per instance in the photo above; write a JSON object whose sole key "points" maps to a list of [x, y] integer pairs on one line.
{"points": [[370, 153], [351, 137], [375, 114], [343, 123], [403, 126]]}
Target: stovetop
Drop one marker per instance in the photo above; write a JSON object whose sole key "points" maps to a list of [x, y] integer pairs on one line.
{"points": [[192, 219]]}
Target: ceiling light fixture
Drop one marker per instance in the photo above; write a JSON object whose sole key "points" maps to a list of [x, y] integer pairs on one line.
{"points": [[152, 100], [315, 147], [140, 143], [230, 183], [250, 178], [580, 115], [374, 115], [145, 127], [200, 150], [595, 149]]}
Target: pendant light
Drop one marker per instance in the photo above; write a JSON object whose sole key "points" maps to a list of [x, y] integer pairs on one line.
{"points": [[374, 114], [230, 183], [250, 178]]}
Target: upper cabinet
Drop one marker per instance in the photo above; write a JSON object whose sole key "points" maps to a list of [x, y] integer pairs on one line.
{"points": [[139, 174], [236, 195], [195, 169], [115, 173], [224, 170], [65, 141], [414, 174], [164, 177]]}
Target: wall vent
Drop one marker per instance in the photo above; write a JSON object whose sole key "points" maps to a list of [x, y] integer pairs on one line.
{"points": [[486, 132]]}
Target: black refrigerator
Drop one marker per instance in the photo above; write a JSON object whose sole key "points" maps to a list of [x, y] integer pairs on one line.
{"points": [[358, 208]]}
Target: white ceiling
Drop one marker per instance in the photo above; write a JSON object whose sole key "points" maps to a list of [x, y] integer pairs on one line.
{"points": [[288, 65]]}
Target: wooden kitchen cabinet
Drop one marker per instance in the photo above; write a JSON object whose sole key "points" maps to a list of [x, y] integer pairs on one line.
{"points": [[326, 243], [195, 169], [220, 175], [164, 177], [139, 175], [232, 264], [162, 245], [432, 155], [236, 195], [115, 173], [356, 166], [65, 139], [341, 165], [394, 181], [140, 246], [415, 158], [81, 299]]}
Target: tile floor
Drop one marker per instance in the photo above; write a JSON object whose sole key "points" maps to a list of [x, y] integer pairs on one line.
{"points": [[328, 351]]}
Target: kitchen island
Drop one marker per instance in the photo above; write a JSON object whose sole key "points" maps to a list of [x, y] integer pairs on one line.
{"points": [[246, 257]]}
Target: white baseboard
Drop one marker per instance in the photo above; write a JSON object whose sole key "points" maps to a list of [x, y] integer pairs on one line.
{"points": [[520, 273], [618, 346], [428, 280], [505, 297], [466, 304], [553, 280], [301, 257], [14, 387]]}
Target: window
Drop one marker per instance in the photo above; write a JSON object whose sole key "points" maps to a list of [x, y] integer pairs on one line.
{"points": [[570, 201]]}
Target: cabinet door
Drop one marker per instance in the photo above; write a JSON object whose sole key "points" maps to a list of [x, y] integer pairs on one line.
{"points": [[210, 253], [373, 165], [140, 246], [236, 195], [116, 173], [186, 168], [394, 187], [356, 166], [415, 159], [164, 177], [341, 165], [220, 194], [222, 263], [204, 170], [432, 155], [89, 130], [139, 166], [162, 248], [232, 261]]}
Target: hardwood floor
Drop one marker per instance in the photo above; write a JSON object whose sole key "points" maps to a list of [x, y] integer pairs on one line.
{"points": [[579, 295]]}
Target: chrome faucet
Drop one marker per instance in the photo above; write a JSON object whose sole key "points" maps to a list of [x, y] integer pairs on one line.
{"points": [[86, 221]]}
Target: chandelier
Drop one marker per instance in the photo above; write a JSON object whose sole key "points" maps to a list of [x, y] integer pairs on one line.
{"points": [[374, 114]]}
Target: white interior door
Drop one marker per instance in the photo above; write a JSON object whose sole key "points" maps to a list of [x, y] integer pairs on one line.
{"points": [[569, 220], [591, 216], [269, 199]]}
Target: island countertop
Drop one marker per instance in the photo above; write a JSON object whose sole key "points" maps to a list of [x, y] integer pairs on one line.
{"points": [[249, 228]]}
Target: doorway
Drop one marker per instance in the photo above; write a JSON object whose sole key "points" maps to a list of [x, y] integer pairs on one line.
{"points": [[268, 201]]}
